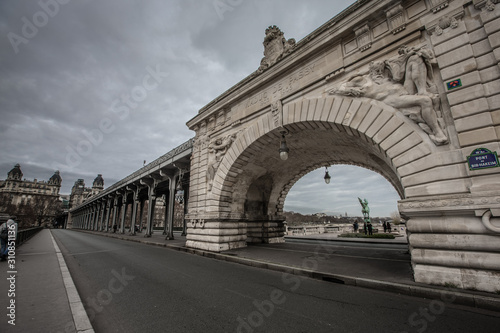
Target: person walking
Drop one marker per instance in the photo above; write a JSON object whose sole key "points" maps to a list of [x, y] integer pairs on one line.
{"points": [[370, 228], [388, 226], [7, 229], [385, 227]]}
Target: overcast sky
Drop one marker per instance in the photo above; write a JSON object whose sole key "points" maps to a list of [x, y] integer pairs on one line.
{"points": [[99, 86]]}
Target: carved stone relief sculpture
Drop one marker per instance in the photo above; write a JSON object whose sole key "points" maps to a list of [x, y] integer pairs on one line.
{"points": [[217, 149], [404, 82], [275, 47]]}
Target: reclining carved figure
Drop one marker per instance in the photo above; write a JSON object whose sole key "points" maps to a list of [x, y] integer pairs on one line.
{"points": [[382, 84]]}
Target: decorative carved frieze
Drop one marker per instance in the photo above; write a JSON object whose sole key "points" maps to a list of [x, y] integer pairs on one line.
{"points": [[396, 18], [457, 202]]}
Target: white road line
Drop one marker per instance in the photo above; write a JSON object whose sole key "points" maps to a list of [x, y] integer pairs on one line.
{"points": [[82, 321]]}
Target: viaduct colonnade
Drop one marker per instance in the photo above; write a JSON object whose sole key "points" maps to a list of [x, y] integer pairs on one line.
{"points": [[167, 177]]}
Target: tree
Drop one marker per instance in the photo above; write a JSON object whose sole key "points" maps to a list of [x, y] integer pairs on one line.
{"points": [[40, 210], [396, 218]]}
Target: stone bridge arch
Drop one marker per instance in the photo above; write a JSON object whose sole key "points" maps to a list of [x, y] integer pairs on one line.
{"points": [[374, 134], [238, 183], [252, 183]]}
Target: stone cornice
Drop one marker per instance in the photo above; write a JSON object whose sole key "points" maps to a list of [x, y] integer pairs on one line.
{"points": [[455, 204]]}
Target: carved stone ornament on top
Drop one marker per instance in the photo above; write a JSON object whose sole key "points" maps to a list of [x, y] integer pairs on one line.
{"points": [[275, 47], [404, 82], [217, 149]]}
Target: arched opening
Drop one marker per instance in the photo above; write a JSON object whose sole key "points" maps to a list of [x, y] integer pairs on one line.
{"points": [[262, 180], [326, 211]]}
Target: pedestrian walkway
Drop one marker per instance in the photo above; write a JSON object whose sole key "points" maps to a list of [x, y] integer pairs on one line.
{"points": [[43, 293]]}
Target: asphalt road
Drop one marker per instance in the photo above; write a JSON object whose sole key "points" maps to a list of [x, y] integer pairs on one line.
{"points": [[132, 287]]}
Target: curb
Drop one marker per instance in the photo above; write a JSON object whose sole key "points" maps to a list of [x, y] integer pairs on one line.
{"points": [[80, 318], [458, 297], [347, 240]]}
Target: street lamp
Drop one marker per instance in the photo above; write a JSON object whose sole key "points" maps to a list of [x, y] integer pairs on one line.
{"points": [[327, 176], [283, 148]]}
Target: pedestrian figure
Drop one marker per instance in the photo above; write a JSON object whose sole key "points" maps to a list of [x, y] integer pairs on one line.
{"points": [[355, 226], [370, 229], [11, 226], [114, 228], [385, 227], [388, 226]]}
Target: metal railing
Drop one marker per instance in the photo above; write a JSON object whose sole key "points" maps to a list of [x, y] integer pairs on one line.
{"points": [[25, 234]]}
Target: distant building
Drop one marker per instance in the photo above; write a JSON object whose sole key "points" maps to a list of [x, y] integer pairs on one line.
{"points": [[33, 202], [80, 193]]}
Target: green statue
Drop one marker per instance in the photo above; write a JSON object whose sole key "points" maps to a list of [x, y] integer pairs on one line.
{"points": [[365, 210]]}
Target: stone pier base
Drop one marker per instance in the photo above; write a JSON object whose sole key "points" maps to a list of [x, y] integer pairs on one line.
{"points": [[220, 236], [265, 232], [455, 251]]}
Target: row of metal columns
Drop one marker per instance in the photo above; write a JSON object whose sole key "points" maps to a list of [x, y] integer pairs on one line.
{"points": [[96, 217]]}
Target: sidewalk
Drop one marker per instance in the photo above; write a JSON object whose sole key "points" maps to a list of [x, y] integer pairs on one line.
{"points": [[45, 297]]}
